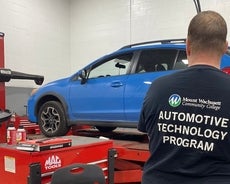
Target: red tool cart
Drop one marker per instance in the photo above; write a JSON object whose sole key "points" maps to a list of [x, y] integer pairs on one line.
{"points": [[23, 167]]}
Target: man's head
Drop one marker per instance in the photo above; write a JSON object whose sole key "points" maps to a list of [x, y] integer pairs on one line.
{"points": [[207, 32]]}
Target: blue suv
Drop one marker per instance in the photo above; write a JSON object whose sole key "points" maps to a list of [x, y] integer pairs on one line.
{"points": [[109, 92]]}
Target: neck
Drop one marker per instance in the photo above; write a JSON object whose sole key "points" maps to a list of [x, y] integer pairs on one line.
{"points": [[204, 59]]}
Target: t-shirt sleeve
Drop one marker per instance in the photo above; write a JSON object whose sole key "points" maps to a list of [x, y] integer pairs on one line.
{"points": [[141, 125]]}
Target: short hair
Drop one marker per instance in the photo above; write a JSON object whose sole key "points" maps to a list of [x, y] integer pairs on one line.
{"points": [[207, 31]]}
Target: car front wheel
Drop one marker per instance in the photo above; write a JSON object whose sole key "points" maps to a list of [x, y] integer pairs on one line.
{"points": [[52, 119]]}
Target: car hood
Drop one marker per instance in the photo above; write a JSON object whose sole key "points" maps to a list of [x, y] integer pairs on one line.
{"points": [[58, 82], [46, 88]]}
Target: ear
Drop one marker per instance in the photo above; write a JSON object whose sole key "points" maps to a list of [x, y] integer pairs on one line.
{"points": [[188, 51], [226, 47]]}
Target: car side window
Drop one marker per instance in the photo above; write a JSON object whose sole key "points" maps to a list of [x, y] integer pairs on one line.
{"points": [[181, 61], [154, 60], [112, 67]]}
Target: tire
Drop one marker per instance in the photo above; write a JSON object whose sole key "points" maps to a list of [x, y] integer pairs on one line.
{"points": [[52, 119], [105, 129]]}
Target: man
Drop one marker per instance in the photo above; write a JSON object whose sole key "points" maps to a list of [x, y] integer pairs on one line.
{"points": [[186, 114]]}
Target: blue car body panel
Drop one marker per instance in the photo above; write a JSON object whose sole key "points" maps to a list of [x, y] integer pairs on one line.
{"points": [[98, 98]]}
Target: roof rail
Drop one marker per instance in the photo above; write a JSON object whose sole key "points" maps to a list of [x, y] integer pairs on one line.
{"points": [[180, 40]]}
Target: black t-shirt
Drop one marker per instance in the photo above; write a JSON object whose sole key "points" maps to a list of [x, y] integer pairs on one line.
{"points": [[186, 116]]}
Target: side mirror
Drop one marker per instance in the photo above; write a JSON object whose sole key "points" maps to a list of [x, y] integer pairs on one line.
{"points": [[118, 65], [83, 76]]}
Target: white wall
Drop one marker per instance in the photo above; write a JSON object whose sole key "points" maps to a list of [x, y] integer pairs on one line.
{"points": [[97, 27], [36, 38], [102, 26]]}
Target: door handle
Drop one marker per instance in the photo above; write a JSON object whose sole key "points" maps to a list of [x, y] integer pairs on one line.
{"points": [[116, 84]]}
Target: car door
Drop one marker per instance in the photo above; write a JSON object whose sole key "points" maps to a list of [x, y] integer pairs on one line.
{"points": [[101, 97], [152, 63]]}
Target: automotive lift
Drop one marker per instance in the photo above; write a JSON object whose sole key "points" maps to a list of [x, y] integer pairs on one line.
{"points": [[120, 155]]}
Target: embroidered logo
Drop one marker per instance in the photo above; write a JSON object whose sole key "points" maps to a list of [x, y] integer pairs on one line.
{"points": [[174, 100]]}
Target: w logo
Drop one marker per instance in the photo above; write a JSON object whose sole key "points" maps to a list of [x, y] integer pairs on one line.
{"points": [[174, 100]]}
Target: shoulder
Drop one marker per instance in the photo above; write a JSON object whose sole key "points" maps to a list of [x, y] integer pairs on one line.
{"points": [[165, 83]]}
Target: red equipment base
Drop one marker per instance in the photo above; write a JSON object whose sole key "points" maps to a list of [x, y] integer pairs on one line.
{"points": [[131, 156], [3, 128], [129, 153]]}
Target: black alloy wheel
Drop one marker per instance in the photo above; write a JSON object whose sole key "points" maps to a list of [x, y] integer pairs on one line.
{"points": [[52, 119]]}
